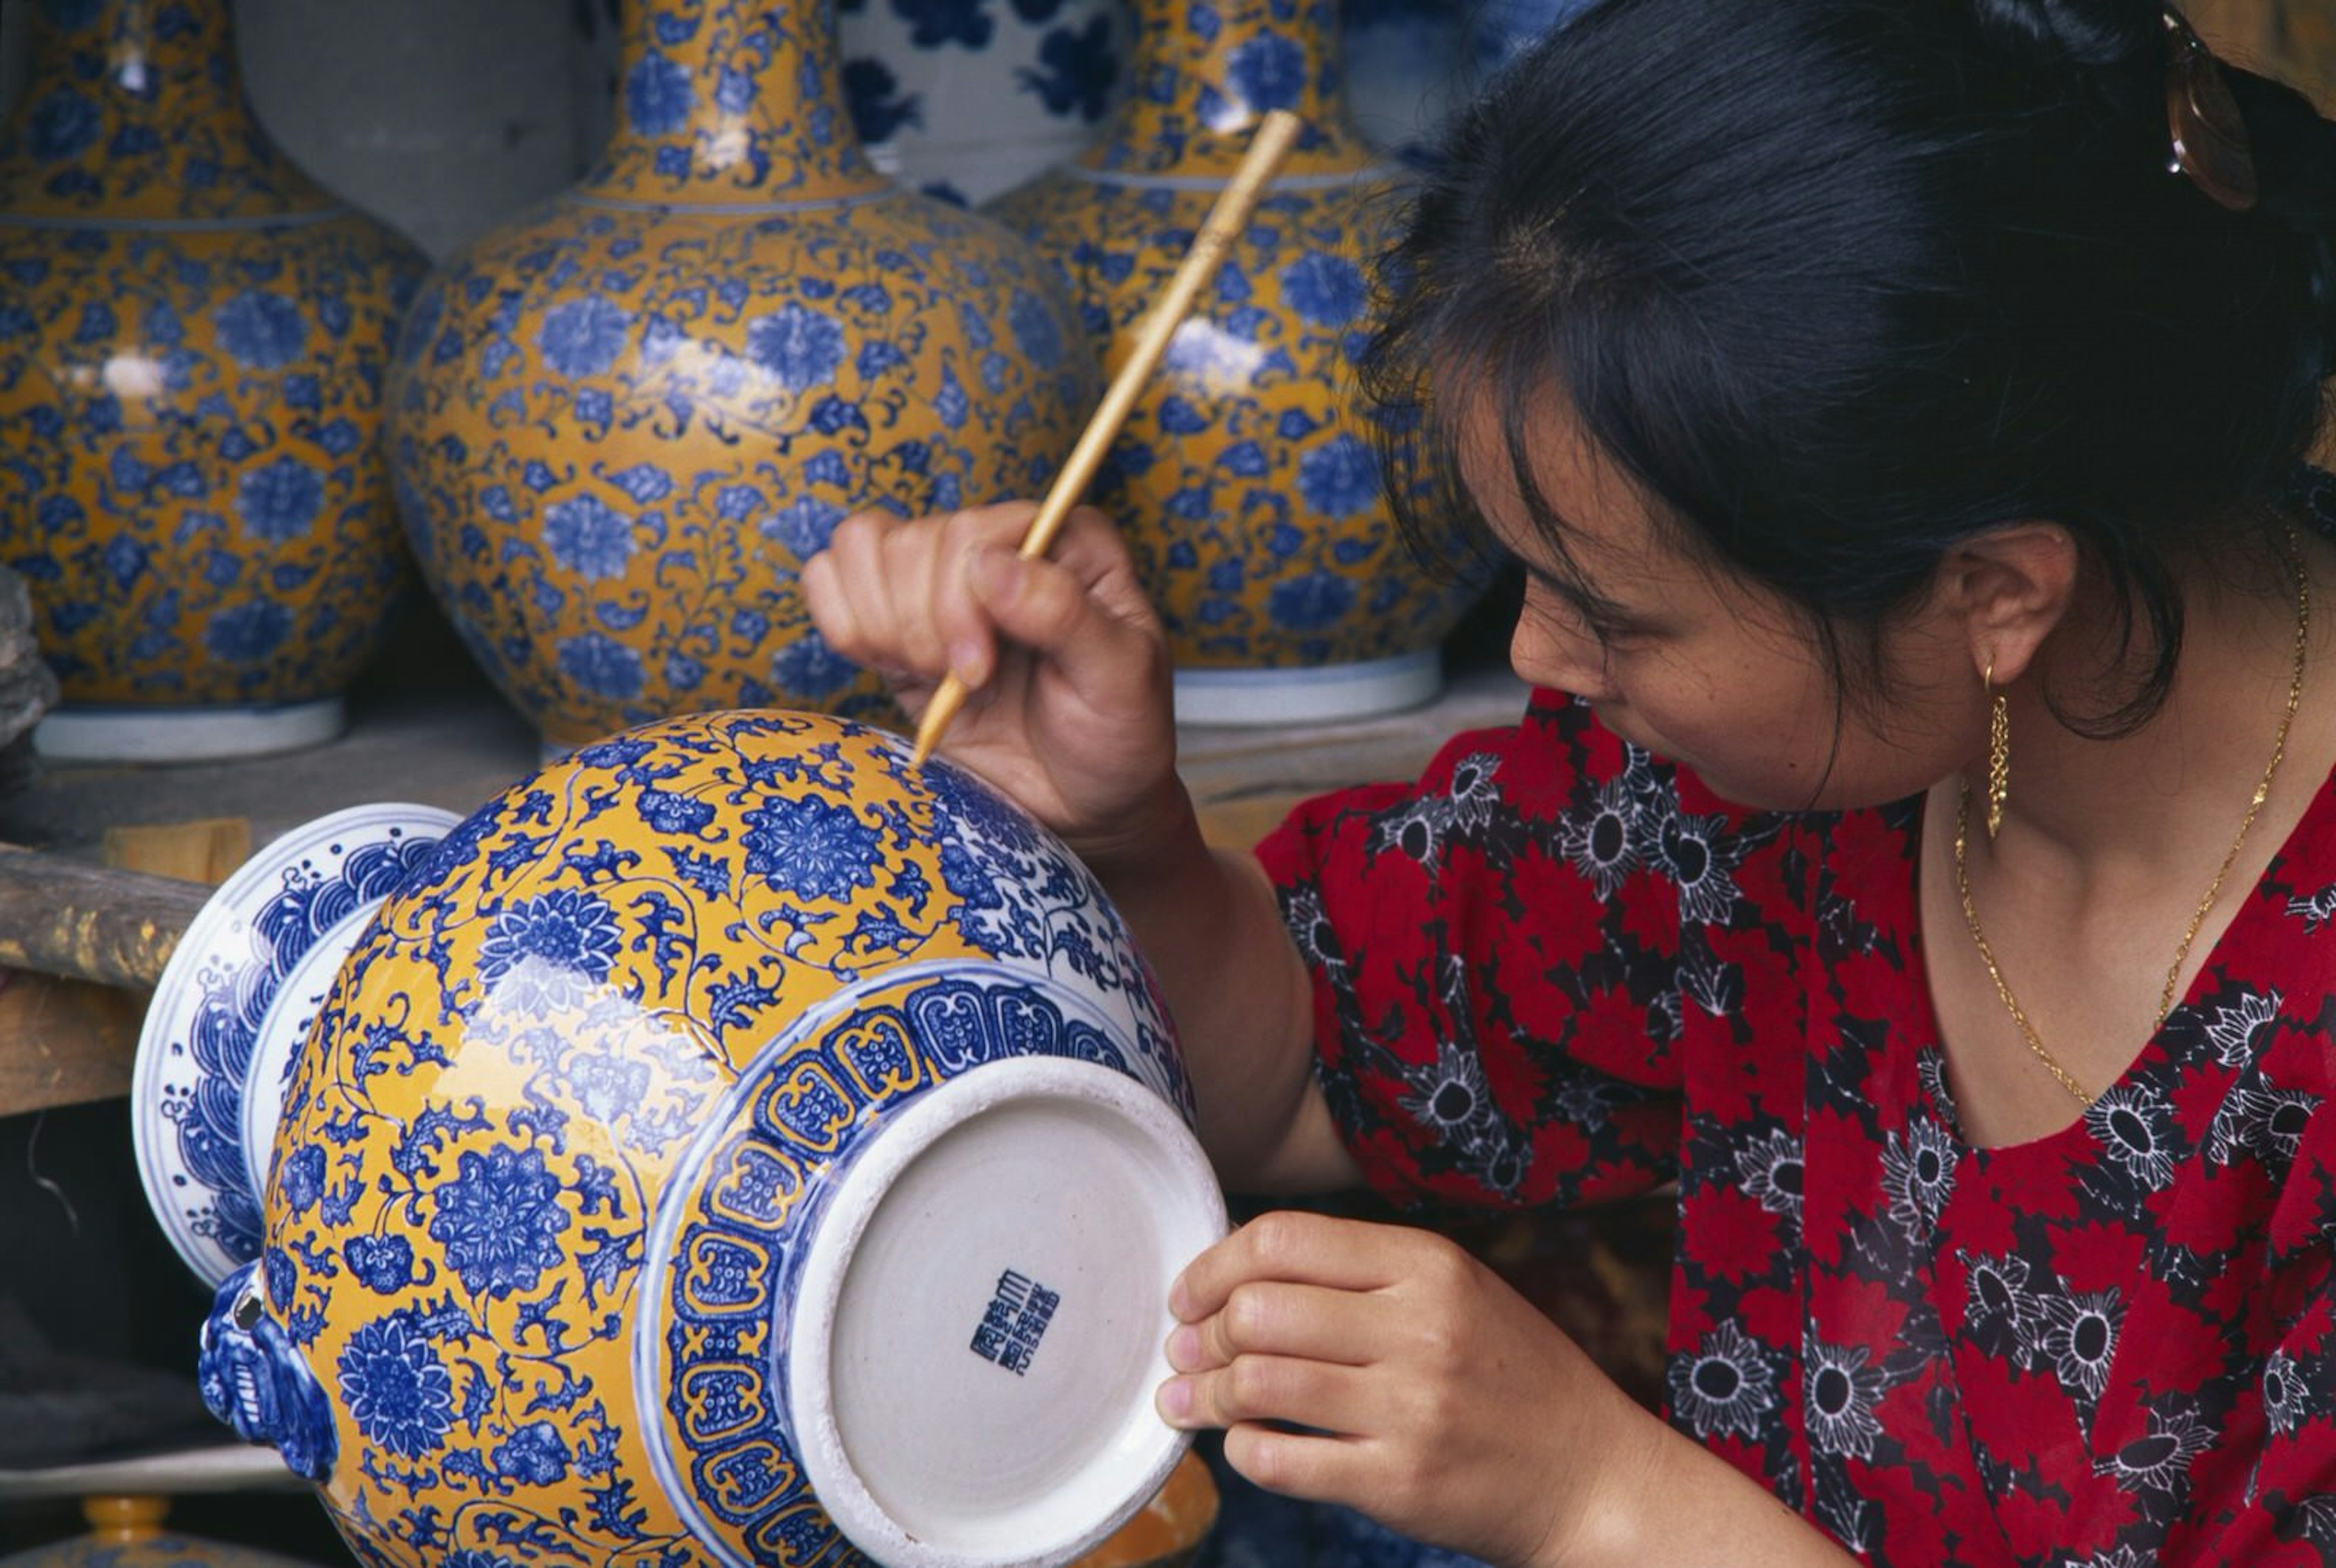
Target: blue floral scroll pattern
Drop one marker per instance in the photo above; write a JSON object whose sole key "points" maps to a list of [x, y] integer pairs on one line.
{"points": [[193, 487], [763, 376], [734, 1227], [232, 992], [504, 1114]]}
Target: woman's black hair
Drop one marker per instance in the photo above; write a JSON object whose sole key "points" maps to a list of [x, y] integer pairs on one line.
{"points": [[1838, 283]]}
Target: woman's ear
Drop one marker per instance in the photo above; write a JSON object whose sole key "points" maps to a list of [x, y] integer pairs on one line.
{"points": [[2010, 587]]}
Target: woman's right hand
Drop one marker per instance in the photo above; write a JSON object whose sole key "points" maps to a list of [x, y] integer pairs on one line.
{"points": [[1070, 710]]}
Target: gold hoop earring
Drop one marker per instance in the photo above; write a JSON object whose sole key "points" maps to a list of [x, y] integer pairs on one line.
{"points": [[1998, 753]]}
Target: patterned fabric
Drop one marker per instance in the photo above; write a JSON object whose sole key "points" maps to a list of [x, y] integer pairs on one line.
{"points": [[1556, 971]]}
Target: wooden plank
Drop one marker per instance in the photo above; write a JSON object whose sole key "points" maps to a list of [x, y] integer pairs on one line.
{"points": [[206, 851], [78, 921], [64, 1042]]}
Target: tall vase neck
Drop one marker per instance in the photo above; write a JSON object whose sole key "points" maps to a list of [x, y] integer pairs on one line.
{"points": [[134, 110], [731, 102], [1205, 72]]}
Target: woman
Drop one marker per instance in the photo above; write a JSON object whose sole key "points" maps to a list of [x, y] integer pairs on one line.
{"points": [[1924, 848]]}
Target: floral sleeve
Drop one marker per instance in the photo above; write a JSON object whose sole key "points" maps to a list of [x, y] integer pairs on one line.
{"points": [[1498, 962]]}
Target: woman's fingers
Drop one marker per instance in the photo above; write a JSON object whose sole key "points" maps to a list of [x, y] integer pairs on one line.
{"points": [[1272, 1318], [891, 593], [1318, 1396], [1299, 1249]]}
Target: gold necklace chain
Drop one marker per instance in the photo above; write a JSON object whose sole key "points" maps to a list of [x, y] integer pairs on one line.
{"points": [[2214, 889]]}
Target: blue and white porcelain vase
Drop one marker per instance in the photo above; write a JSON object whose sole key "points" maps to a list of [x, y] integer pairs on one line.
{"points": [[1403, 69], [622, 422], [966, 99], [736, 1143], [1246, 479], [193, 342], [1500, 30]]}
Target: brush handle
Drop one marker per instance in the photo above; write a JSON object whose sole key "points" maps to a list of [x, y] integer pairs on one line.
{"points": [[1226, 219]]}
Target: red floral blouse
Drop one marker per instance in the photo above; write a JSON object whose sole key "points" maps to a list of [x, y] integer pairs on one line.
{"points": [[1555, 970]]}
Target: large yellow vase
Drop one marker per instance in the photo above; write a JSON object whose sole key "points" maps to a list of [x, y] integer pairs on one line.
{"points": [[622, 422], [1247, 478], [193, 339]]}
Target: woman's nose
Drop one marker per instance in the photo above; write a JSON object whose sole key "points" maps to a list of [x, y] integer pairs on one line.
{"points": [[1554, 649]]}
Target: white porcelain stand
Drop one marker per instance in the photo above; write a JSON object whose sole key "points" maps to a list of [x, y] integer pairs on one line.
{"points": [[1322, 695], [164, 735]]}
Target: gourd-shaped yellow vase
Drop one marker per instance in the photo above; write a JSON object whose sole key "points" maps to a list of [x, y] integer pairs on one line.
{"points": [[622, 422], [193, 339], [1247, 479]]}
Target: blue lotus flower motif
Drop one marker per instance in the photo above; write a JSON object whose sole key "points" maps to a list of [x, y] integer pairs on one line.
{"points": [[809, 667], [1340, 478], [658, 95], [804, 525], [548, 952], [499, 1221], [1311, 603], [264, 331], [383, 1264], [250, 632], [583, 337], [811, 848], [609, 1086], [534, 1454], [601, 665], [1325, 290], [1269, 72], [279, 500], [301, 1177], [1035, 330], [395, 1387], [64, 123], [588, 537], [799, 347]]}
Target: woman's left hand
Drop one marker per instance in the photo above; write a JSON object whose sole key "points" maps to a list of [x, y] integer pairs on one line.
{"points": [[1383, 1367]]}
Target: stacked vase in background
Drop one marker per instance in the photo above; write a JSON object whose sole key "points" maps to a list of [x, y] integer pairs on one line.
{"points": [[1246, 479], [622, 422], [193, 339], [968, 98]]}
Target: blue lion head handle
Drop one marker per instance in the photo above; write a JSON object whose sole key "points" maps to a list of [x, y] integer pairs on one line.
{"points": [[253, 1379]]}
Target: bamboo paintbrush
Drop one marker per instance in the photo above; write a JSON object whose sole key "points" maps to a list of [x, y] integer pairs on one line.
{"points": [[1267, 148]]}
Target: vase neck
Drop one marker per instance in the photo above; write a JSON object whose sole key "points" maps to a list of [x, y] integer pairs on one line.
{"points": [[1204, 75], [731, 102], [134, 110]]}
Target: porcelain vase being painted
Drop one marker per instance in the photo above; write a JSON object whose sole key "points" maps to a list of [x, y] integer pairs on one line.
{"points": [[1247, 479], [193, 342], [623, 422], [732, 1144]]}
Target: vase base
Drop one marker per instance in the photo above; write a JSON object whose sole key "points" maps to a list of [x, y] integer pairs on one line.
{"points": [[982, 1317], [162, 734], [1321, 693]]}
